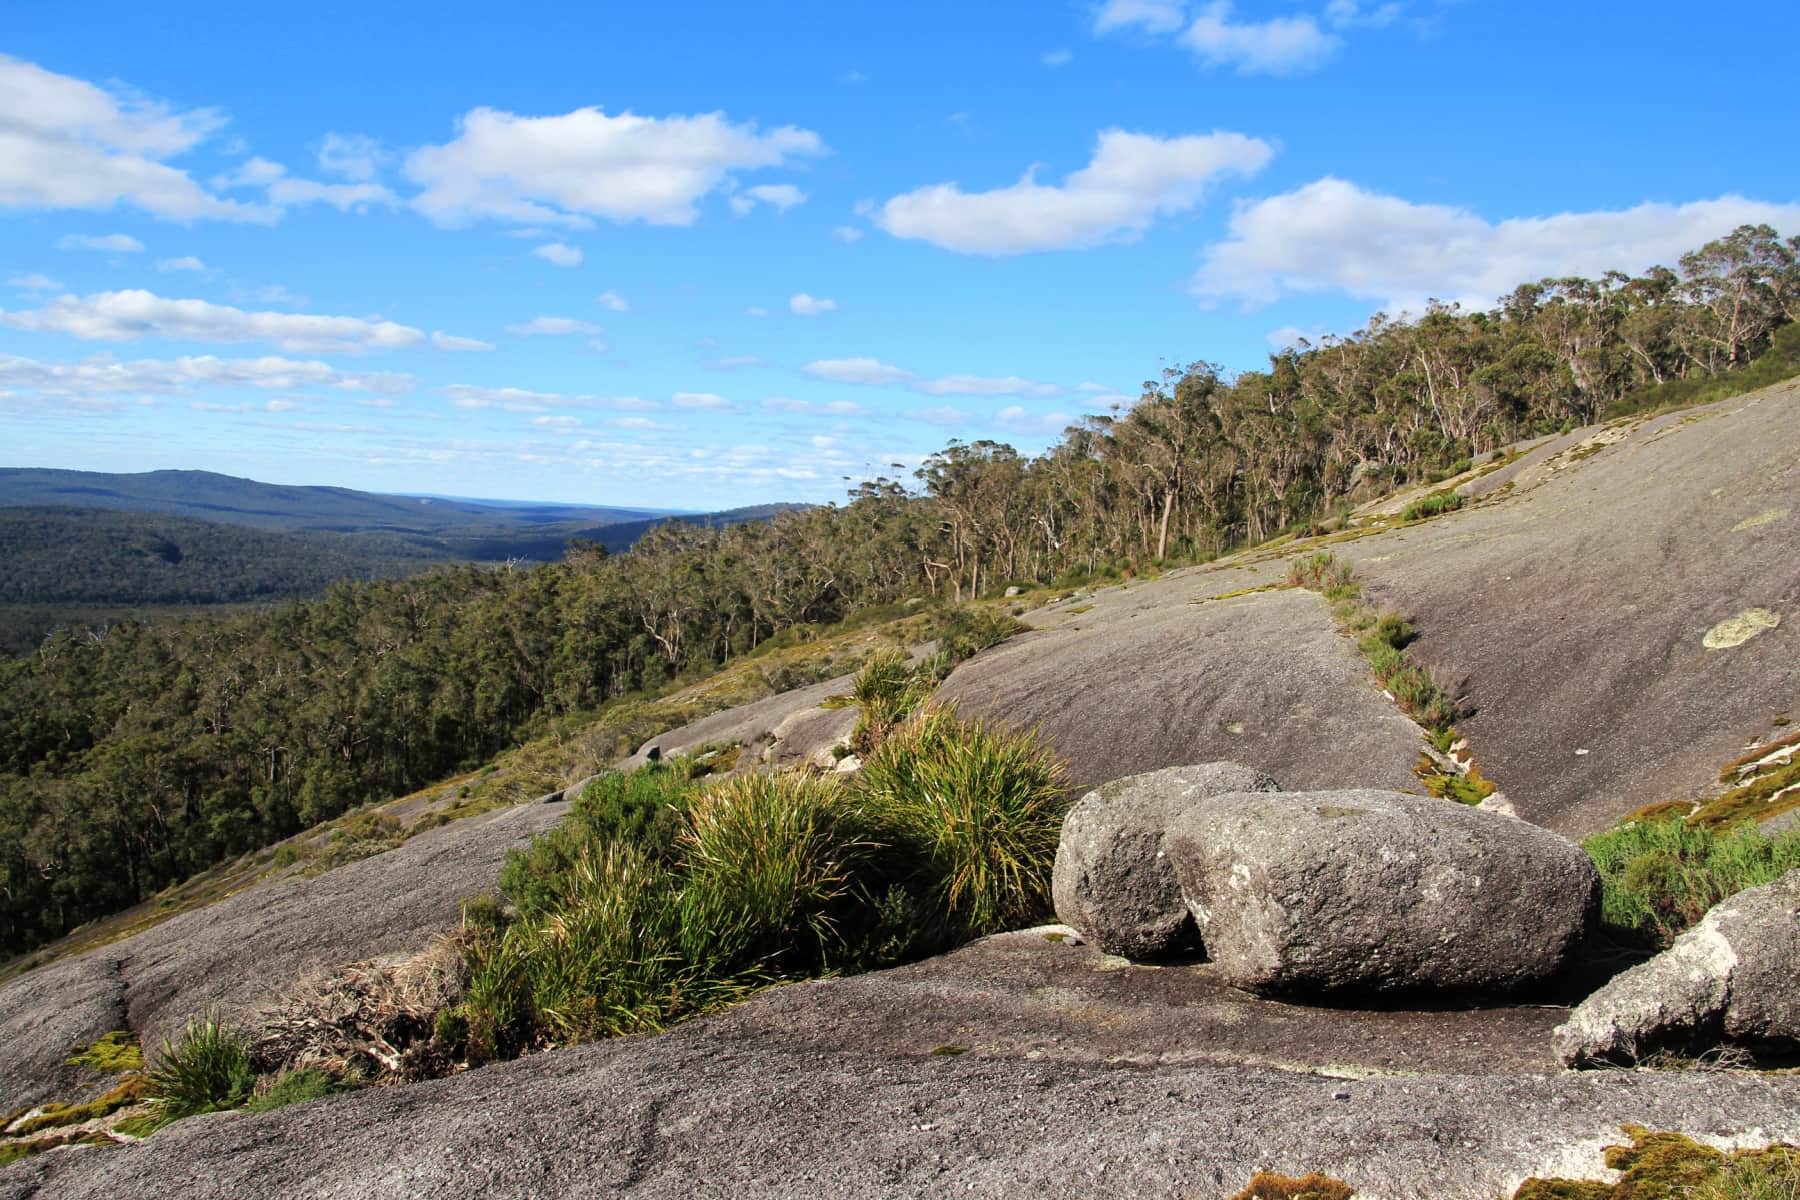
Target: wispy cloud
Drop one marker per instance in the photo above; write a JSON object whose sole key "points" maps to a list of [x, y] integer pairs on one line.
{"points": [[127, 316], [115, 243]]}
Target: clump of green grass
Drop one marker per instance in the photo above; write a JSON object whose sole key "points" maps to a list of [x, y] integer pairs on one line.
{"points": [[114, 1053], [619, 928], [1434, 504], [209, 1070], [966, 631], [1672, 1166], [979, 810], [296, 1085], [887, 690], [1660, 876]]}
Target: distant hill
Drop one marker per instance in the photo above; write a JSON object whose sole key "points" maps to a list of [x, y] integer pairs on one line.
{"points": [[233, 501], [85, 547]]}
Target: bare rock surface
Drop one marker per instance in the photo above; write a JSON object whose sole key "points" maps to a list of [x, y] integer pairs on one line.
{"points": [[796, 1094], [1731, 978], [752, 726], [1160, 675], [1366, 891], [1112, 880], [232, 955], [1573, 610]]}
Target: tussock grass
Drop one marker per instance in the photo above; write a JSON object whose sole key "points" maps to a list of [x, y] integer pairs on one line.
{"points": [[1433, 504], [1660, 876], [948, 833], [979, 809], [209, 1070]]}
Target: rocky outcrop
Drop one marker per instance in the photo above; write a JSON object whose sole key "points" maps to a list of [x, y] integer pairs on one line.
{"points": [[1367, 891], [1731, 978], [1112, 879]]}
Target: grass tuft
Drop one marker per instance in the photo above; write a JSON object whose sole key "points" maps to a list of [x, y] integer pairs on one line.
{"points": [[208, 1071], [1659, 877]]}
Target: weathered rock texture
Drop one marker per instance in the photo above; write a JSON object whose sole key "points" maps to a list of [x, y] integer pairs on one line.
{"points": [[1083, 1077], [1112, 879], [784, 728], [1368, 891], [1734, 977]]}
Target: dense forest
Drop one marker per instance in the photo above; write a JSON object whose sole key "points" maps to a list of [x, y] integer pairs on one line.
{"points": [[132, 756]]}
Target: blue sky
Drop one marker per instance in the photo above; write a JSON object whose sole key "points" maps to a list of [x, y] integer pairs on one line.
{"points": [[707, 255]]}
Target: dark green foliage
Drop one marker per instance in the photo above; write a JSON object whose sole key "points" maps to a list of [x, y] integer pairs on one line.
{"points": [[1780, 361], [1660, 876], [967, 630], [208, 1071]]}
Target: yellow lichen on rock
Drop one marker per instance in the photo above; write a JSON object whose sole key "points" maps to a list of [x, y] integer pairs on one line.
{"points": [[1735, 631]]}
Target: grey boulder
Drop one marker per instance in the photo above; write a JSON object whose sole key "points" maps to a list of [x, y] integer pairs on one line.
{"points": [[1731, 978], [1113, 882], [1363, 891]]}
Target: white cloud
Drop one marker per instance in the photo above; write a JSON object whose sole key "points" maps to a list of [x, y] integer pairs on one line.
{"points": [[1332, 236], [1132, 179], [612, 301], [555, 327], [943, 414], [471, 396], [559, 254], [34, 283], [287, 192], [1153, 16], [126, 316], [117, 243], [871, 372], [449, 341], [847, 233], [1057, 58], [354, 156], [65, 143], [1349, 14], [271, 406], [733, 362], [1016, 416], [1279, 46], [781, 196], [568, 170], [703, 400], [185, 263], [100, 377], [561, 422], [756, 310], [809, 306]]}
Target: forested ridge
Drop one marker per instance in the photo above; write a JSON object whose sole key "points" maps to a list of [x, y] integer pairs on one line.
{"points": [[133, 756]]}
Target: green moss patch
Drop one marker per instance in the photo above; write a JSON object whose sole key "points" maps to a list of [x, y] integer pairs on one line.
{"points": [[1672, 1166], [57, 1116], [114, 1053], [1265, 1185]]}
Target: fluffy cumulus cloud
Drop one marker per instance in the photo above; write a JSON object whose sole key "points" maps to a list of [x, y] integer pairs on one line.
{"points": [[127, 316], [1333, 236], [572, 169], [1132, 179], [1284, 45], [559, 254], [115, 243], [803, 305], [179, 375], [65, 143], [555, 327], [871, 372]]}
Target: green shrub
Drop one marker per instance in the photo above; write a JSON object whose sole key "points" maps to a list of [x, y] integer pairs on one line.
{"points": [[1660, 877], [208, 1071], [979, 813]]}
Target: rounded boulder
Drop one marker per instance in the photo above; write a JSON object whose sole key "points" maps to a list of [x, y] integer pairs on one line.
{"points": [[1362, 891], [1112, 879]]}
